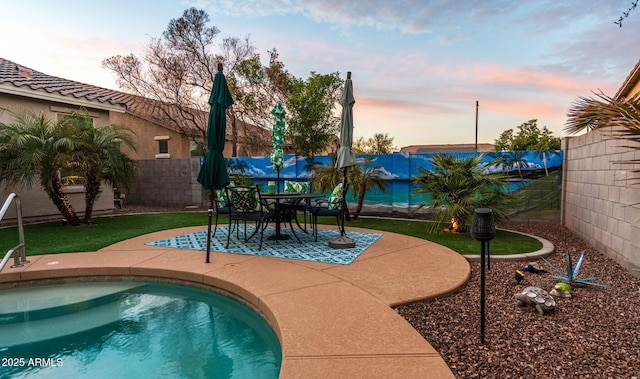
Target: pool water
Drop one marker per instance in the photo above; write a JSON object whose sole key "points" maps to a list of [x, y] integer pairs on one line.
{"points": [[132, 330]]}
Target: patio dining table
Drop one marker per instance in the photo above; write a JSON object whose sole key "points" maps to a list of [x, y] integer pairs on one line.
{"points": [[283, 214]]}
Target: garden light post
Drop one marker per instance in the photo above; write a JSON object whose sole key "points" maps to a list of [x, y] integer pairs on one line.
{"points": [[483, 230]]}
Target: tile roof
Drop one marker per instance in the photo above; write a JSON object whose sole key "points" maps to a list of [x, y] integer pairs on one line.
{"points": [[20, 76]]}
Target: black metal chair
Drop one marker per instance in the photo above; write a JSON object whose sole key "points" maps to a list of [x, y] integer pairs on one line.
{"points": [[245, 204], [330, 207], [297, 206]]}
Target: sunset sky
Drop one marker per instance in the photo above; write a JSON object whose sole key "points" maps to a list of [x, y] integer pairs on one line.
{"points": [[418, 67]]}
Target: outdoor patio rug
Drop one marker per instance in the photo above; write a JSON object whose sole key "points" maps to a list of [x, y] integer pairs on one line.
{"points": [[308, 250]]}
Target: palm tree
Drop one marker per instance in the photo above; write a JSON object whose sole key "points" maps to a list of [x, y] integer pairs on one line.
{"points": [[364, 180], [457, 186], [98, 156], [602, 111], [623, 115], [32, 147]]}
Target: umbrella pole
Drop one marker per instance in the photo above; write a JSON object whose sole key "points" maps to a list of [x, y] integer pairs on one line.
{"points": [[344, 199], [343, 242], [278, 182], [211, 195]]}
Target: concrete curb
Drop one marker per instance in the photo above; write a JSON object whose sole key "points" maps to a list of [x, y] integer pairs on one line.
{"points": [[547, 249]]}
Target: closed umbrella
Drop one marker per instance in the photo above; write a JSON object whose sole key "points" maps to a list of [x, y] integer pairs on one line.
{"points": [[346, 158], [213, 174], [277, 138]]}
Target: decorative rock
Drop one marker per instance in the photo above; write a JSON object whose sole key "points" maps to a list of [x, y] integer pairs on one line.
{"points": [[561, 290], [536, 298]]}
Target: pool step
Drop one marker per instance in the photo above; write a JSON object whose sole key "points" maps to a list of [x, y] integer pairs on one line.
{"points": [[33, 303], [27, 314]]}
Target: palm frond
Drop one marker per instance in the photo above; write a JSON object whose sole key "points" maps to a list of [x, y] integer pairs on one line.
{"points": [[602, 111]]}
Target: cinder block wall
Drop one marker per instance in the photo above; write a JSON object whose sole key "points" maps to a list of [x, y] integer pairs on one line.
{"points": [[166, 182], [601, 197]]}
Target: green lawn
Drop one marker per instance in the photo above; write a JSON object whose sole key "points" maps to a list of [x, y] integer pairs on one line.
{"points": [[504, 243], [52, 237]]}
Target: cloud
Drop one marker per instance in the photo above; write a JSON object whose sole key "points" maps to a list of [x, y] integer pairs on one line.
{"points": [[419, 16]]}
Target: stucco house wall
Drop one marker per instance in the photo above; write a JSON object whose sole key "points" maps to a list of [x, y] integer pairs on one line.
{"points": [[37, 206], [35, 203], [147, 135], [50, 109]]}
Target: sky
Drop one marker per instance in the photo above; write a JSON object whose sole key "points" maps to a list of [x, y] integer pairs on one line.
{"points": [[418, 67]]}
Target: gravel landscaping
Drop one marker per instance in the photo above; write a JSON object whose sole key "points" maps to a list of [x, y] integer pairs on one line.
{"points": [[594, 334]]}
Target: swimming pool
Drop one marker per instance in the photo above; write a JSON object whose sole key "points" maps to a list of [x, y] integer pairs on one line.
{"points": [[132, 330]]}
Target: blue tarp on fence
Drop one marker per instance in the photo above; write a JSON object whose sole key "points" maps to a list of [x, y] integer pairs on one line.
{"points": [[398, 169]]}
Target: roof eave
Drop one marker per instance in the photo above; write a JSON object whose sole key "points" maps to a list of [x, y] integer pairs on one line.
{"points": [[629, 83], [25, 91]]}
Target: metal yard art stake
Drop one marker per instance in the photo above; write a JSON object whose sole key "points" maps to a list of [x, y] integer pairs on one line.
{"points": [[213, 174], [346, 158]]}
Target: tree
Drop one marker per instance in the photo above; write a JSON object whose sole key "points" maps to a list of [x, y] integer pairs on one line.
{"points": [[457, 186], [97, 156], [378, 144], [178, 71], [32, 147], [256, 90], [310, 104], [528, 137]]}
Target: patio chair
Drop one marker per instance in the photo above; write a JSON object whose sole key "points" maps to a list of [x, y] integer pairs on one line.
{"points": [[300, 206], [245, 204], [332, 206]]}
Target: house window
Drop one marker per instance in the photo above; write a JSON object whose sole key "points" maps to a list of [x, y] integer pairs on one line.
{"points": [[163, 146], [62, 114]]}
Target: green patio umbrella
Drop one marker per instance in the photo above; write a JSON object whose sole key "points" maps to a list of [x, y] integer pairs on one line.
{"points": [[277, 138], [213, 174], [346, 158]]}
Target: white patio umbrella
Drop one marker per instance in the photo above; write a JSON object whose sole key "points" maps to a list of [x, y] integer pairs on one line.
{"points": [[346, 158]]}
